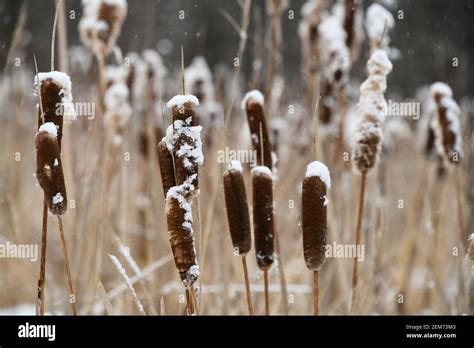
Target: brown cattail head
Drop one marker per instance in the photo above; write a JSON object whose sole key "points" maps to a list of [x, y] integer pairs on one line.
{"points": [[165, 160], [237, 208], [314, 214], [180, 229], [184, 140], [446, 125], [49, 172], [353, 26], [101, 24], [253, 104], [262, 192], [56, 100]]}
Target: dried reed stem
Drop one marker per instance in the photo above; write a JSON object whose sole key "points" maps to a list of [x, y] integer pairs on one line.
{"points": [[457, 189], [247, 285], [72, 295], [42, 278], [315, 293], [355, 272], [267, 299]]}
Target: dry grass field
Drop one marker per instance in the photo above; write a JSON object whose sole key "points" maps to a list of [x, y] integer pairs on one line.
{"points": [[414, 255]]}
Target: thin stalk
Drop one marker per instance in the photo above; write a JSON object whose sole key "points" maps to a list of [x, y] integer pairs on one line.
{"points": [[315, 293], [42, 278], [72, 299], [267, 301], [355, 272], [457, 189], [247, 285]]}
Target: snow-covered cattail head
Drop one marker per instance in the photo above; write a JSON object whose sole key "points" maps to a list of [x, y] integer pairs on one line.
{"points": [[198, 79], [368, 136], [56, 99], [378, 23], [155, 72], [101, 24], [253, 103], [447, 125], [49, 172], [118, 109], [314, 214], [237, 208]]}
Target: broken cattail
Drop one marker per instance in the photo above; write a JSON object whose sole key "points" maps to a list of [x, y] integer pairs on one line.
{"points": [[314, 220], [184, 140], [237, 208], [314, 206], [262, 191], [378, 23], [56, 100], [179, 219], [446, 125], [253, 105], [101, 24], [49, 172], [367, 138], [165, 160]]}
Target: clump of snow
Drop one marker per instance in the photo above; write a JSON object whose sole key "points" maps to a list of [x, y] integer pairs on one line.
{"points": [[64, 81], [379, 62], [262, 170], [333, 47], [180, 100], [235, 165], [378, 19], [191, 275], [190, 150], [441, 89], [320, 170], [50, 128], [58, 198], [255, 95]]}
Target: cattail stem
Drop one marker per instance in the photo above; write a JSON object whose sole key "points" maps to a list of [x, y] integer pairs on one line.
{"points": [[355, 272], [457, 189], [247, 285], [41, 281], [72, 298], [315, 293], [267, 300]]}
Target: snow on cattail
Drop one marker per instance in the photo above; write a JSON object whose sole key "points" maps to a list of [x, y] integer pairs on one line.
{"points": [[312, 13], [262, 192], [165, 161], [378, 23], [184, 140], [49, 172], [314, 214], [198, 78], [155, 72], [237, 208], [56, 99], [446, 125], [135, 76], [352, 24], [118, 109], [179, 219], [367, 137], [253, 103], [101, 24]]}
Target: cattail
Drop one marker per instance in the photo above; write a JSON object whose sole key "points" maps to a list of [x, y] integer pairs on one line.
{"points": [[56, 100], [185, 141], [253, 105], [367, 139], [352, 24], [314, 220], [238, 218], [49, 172], [308, 30], [155, 72], [165, 160], [368, 136], [262, 191], [118, 110], [237, 208], [314, 206], [179, 219], [378, 23], [446, 125], [101, 24], [198, 77]]}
